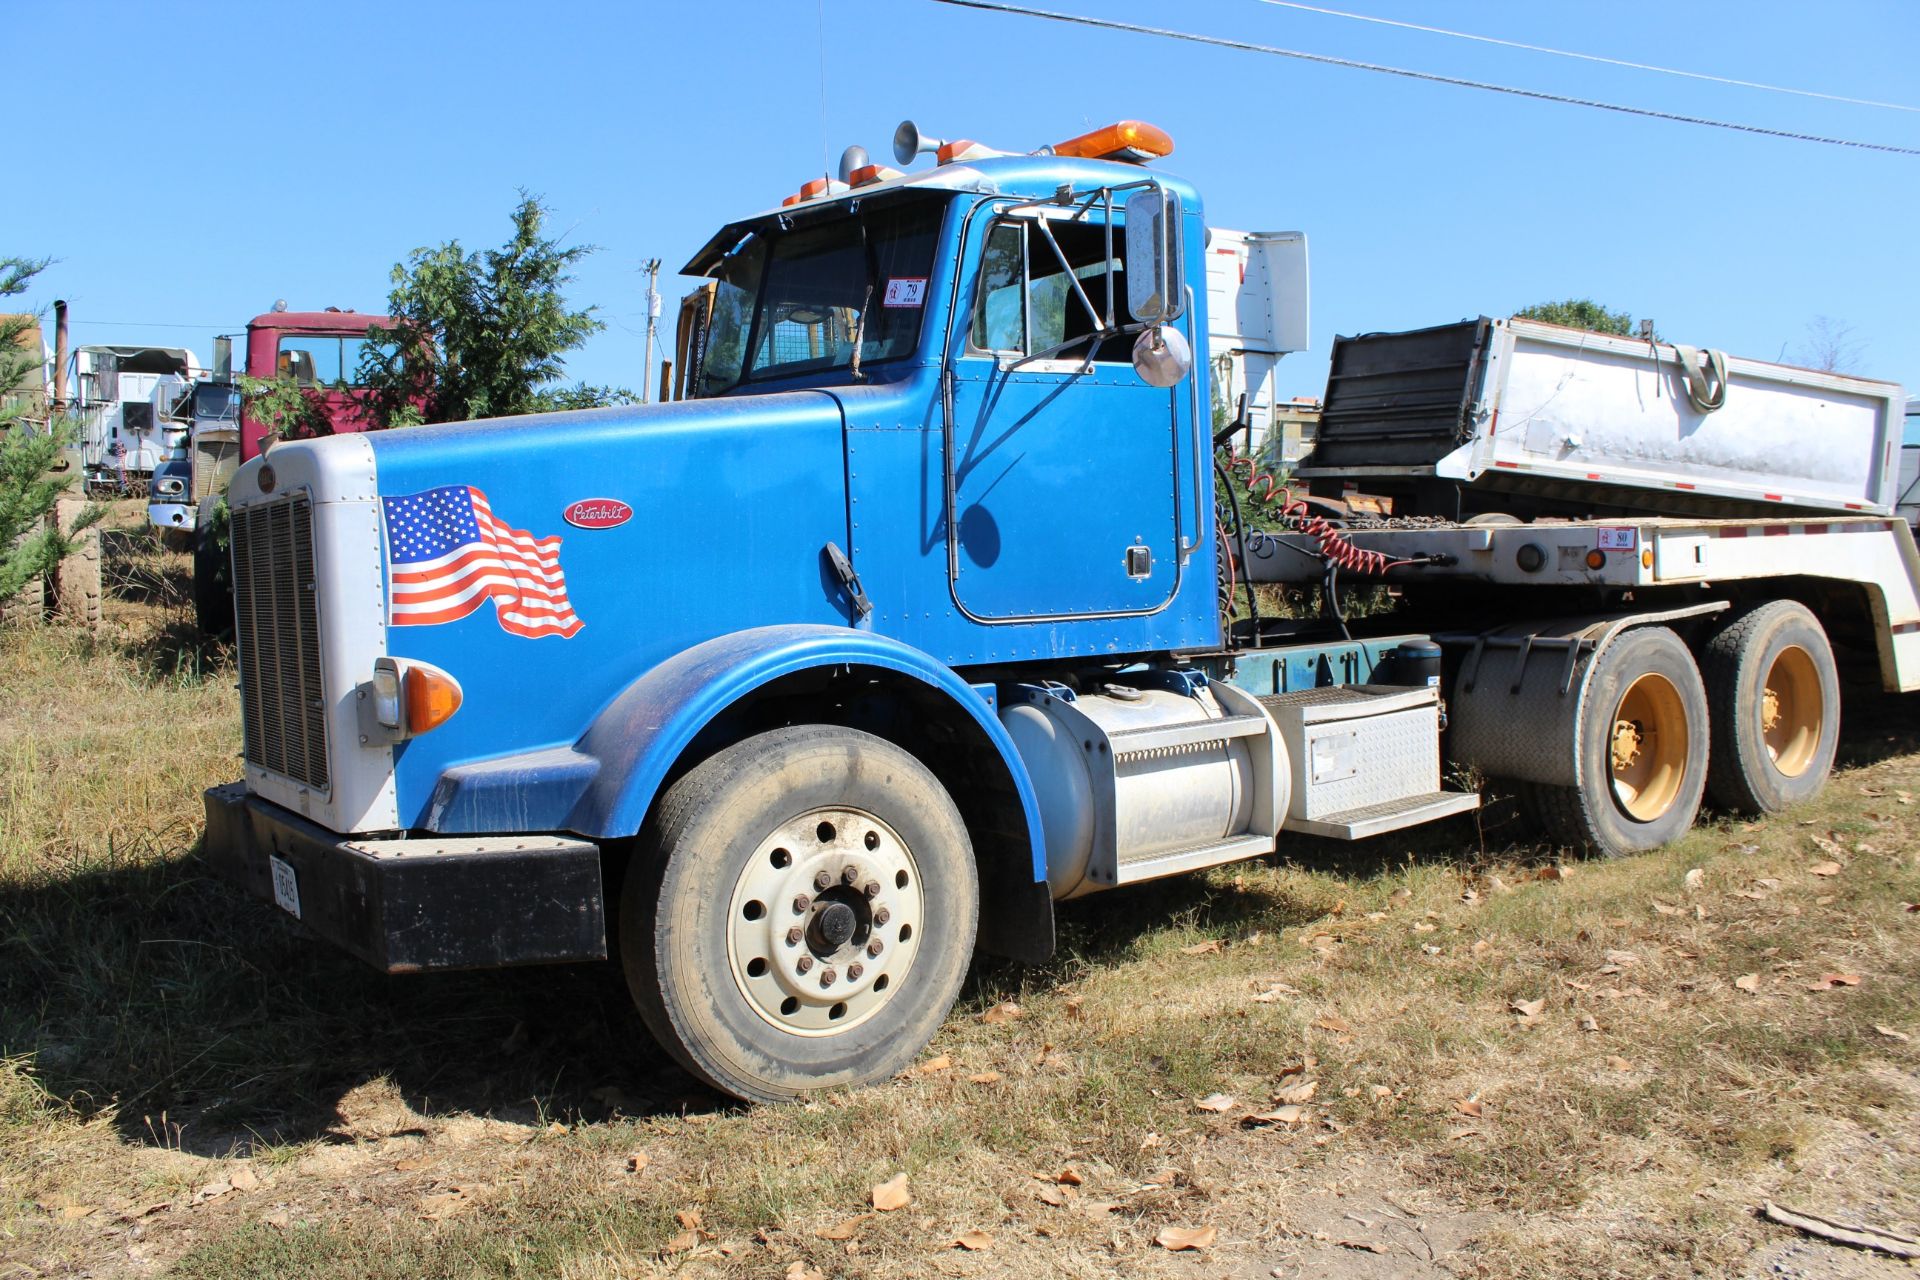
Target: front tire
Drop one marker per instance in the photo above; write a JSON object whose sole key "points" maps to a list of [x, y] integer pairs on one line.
{"points": [[1775, 698], [801, 915], [1643, 750]]}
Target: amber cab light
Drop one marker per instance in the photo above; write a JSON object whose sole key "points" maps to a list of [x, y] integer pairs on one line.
{"points": [[410, 698], [1596, 559], [1125, 140], [432, 697]]}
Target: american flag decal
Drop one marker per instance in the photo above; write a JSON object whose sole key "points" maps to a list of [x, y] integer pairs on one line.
{"points": [[449, 556]]}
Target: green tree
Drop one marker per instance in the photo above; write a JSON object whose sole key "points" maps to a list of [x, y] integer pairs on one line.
{"points": [[481, 335], [31, 545], [1580, 313]]}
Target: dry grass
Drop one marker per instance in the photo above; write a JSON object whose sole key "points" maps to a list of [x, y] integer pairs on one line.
{"points": [[162, 1039]]}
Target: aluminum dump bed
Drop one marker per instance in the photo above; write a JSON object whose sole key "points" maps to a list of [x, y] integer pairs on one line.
{"points": [[1532, 419]]}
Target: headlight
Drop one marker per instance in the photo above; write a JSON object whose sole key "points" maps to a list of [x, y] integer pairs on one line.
{"points": [[387, 710], [171, 487]]}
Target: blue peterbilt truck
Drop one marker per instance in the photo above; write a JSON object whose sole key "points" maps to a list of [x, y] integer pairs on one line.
{"points": [[910, 622]]}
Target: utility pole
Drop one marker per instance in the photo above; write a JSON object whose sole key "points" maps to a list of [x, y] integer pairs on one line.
{"points": [[652, 268]]}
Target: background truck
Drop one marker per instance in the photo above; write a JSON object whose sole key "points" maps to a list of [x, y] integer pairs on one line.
{"points": [[319, 351], [913, 620]]}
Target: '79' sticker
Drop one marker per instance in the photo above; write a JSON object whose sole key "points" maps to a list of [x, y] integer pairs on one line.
{"points": [[906, 291]]}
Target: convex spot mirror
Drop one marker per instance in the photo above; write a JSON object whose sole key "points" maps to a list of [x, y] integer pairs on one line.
{"points": [[1154, 289], [1161, 356]]}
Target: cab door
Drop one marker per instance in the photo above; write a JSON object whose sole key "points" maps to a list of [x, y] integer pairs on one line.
{"points": [[1064, 496]]}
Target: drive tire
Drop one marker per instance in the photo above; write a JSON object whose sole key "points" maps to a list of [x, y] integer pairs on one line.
{"points": [[1774, 695], [1646, 677], [717, 881]]}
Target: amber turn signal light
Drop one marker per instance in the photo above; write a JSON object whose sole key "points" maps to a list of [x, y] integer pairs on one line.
{"points": [[1125, 140], [432, 698]]}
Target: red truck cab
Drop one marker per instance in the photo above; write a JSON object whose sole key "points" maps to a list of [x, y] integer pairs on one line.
{"points": [[320, 351]]}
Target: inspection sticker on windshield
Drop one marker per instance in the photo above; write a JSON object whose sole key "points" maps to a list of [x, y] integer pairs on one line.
{"points": [[1615, 538], [286, 887], [906, 291]]}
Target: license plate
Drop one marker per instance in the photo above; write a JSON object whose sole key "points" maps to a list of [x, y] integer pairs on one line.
{"points": [[286, 887]]}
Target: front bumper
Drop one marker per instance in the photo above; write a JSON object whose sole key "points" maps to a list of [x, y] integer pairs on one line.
{"points": [[170, 515], [408, 906]]}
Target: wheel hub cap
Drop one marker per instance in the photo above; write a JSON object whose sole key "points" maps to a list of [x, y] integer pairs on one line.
{"points": [[824, 921], [1649, 747]]}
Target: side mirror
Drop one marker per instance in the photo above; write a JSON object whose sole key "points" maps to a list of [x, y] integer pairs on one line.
{"points": [[1155, 291], [1161, 356]]}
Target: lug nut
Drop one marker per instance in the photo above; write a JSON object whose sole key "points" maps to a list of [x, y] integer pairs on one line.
{"points": [[871, 888], [823, 881], [875, 947], [794, 935], [854, 971], [827, 975], [882, 915], [850, 873], [806, 963], [801, 903]]}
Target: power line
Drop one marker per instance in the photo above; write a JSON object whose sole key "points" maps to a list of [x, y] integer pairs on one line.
{"points": [[1586, 57], [1250, 47]]}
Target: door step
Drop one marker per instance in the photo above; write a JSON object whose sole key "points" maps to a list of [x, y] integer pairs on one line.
{"points": [[1390, 815], [1206, 855]]}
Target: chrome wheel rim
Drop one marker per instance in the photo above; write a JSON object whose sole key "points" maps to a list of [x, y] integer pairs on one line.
{"points": [[824, 921]]}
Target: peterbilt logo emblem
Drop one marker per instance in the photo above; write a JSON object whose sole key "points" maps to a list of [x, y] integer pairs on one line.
{"points": [[598, 513]]}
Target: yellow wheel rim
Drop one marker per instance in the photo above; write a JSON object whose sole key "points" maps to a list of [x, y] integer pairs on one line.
{"points": [[1648, 749], [1792, 707]]}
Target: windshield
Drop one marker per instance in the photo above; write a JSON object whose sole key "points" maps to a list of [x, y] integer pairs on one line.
{"points": [[799, 301]]}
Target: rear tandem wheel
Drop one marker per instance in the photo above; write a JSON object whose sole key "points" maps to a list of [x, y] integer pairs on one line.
{"points": [[1642, 745], [1775, 698]]}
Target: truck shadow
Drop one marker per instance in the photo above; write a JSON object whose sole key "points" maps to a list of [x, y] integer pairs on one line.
{"points": [[145, 992]]}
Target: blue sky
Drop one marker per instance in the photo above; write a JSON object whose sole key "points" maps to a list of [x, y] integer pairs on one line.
{"points": [[202, 161]]}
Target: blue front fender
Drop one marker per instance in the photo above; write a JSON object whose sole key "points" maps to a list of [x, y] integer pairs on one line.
{"points": [[603, 786]]}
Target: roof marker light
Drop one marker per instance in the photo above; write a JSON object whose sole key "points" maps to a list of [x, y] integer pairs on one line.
{"points": [[963, 149], [821, 187], [1131, 140], [868, 174]]}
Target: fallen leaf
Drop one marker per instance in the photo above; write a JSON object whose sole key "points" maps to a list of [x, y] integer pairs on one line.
{"points": [[1527, 1009], [1619, 1064], [244, 1179], [933, 1066], [1468, 1106], [1665, 909], [797, 1270], [1175, 1239], [973, 1241], [984, 1077], [841, 1230], [1361, 1244], [1208, 947], [1427, 948], [1694, 878], [1554, 873], [1290, 1114], [1332, 1022], [682, 1242], [1826, 868], [279, 1219], [74, 1212], [892, 1194], [1589, 1023], [1005, 1011], [1748, 982], [1480, 947], [1069, 1177], [688, 1218], [1381, 1091], [1891, 1034], [1828, 981], [1074, 1011], [1423, 926], [1151, 1140], [1578, 985], [1298, 1093], [1047, 1193], [1497, 885], [1622, 958], [214, 1190], [444, 1204], [638, 1161]]}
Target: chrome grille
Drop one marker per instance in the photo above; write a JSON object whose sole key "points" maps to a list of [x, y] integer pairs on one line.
{"points": [[278, 626]]}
